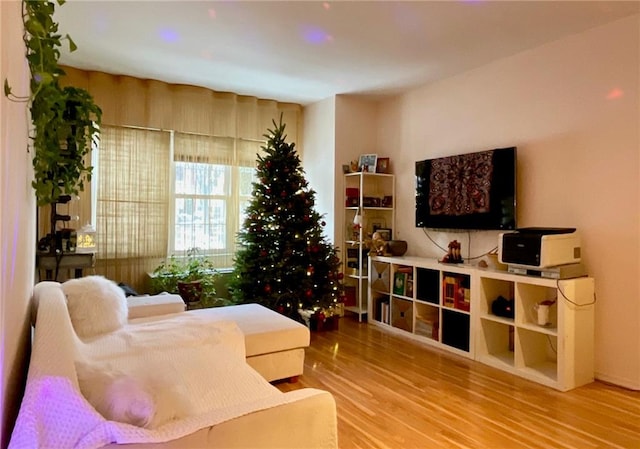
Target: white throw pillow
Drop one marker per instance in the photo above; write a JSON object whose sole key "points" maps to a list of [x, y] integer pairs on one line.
{"points": [[96, 305], [143, 400]]}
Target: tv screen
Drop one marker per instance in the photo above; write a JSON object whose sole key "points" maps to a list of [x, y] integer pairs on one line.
{"points": [[474, 191]]}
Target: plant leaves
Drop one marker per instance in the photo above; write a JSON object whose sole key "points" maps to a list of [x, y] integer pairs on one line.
{"points": [[72, 45]]}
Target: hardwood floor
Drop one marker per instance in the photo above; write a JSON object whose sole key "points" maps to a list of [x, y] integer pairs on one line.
{"points": [[393, 392]]}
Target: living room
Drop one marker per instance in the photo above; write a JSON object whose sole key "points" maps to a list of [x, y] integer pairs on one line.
{"points": [[570, 106]]}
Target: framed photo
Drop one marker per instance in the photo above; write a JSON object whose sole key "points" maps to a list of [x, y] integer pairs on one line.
{"points": [[367, 163], [376, 224], [385, 233], [382, 165]]}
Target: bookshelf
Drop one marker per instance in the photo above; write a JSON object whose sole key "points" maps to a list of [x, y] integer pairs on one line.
{"points": [[450, 307]]}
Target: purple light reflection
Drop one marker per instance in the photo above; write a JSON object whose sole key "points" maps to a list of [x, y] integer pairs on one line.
{"points": [[169, 35], [315, 35]]}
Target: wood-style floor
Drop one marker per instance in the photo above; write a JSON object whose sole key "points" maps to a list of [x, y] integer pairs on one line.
{"points": [[393, 392]]}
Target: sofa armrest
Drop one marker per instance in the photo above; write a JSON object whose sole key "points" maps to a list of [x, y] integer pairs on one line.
{"points": [[162, 304]]}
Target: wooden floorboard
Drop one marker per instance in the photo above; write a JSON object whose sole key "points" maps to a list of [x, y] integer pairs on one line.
{"points": [[393, 392]]}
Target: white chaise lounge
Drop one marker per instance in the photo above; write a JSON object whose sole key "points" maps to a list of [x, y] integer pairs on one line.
{"points": [[274, 344]]}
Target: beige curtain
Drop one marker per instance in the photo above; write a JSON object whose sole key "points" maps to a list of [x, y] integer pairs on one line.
{"points": [[138, 119], [132, 204]]}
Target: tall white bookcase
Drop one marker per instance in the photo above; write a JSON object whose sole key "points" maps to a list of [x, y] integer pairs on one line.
{"points": [[370, 196]]}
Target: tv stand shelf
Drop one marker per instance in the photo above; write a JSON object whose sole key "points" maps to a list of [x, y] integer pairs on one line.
{"points": [[450, 307]]}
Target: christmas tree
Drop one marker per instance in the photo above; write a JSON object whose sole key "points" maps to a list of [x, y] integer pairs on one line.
{"points": [[284, 262]]}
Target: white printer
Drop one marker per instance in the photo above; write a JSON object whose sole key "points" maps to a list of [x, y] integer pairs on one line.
{"points": [[537, 248]]}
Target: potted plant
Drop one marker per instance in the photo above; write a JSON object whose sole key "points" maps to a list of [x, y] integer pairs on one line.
{"points": [[66, 120], [192, 277]]}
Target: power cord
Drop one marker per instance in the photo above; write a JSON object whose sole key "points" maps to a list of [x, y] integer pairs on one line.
{"points": [[492, 250], [573, 302]]}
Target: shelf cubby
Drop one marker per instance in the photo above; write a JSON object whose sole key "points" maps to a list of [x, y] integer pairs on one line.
{"points": [[402, 314], [456, 329], [490, 290], [428, 285], [538, 354], [427, 321], [496, 343]]}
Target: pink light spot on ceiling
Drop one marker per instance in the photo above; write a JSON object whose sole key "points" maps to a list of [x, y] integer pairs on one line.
{"points": [[614, 93], [212, 13], [326, 5], [206, 54]]}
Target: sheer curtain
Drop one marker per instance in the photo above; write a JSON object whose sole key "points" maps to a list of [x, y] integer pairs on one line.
{"points": [[149, 127], [132, 202]]}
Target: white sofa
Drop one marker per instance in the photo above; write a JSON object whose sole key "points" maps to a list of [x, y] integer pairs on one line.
{"points": [[200, 356]]}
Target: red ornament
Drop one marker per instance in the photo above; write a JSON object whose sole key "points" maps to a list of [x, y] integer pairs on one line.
{"points": [[306, 218], [268, 164], [263, 253], [267, 288], [283, 194], [340, 275], [308, 293]]}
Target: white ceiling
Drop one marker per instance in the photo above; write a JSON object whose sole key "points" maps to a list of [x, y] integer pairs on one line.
{"points": [[306, 51]]}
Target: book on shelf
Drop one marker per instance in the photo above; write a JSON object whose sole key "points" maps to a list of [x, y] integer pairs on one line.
{"points": [[399, 283], [385, 312], [408, 291]]}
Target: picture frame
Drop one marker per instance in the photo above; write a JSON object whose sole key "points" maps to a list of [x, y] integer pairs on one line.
{"points": [[385, 233], [382, 165], [367, 163], [376, 224]]}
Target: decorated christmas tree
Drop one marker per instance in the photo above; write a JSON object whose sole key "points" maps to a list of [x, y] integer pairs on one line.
{"points": [[284, 261]]}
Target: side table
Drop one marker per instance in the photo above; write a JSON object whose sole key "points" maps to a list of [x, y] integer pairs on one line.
{"points": [[53, 263]]}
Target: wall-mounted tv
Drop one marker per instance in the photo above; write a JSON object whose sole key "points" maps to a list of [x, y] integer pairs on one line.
{"points": [[473, 191]]}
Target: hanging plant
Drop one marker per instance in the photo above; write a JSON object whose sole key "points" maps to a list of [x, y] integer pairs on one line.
{"points": [[66, 120]]}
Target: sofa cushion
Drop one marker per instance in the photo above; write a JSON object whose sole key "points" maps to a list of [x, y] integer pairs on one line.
{"points": [[265, 331], [96, 305]]}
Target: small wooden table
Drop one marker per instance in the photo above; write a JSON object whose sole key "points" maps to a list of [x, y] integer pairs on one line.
{"points": [[51, 263]]}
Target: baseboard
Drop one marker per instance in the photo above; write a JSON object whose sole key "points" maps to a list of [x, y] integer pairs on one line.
{"points": [[620, 382]]}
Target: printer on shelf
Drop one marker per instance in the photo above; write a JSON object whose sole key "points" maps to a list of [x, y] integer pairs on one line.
{"points": [[539, 247]]}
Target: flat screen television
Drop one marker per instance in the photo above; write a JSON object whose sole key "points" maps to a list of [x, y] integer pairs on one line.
{"points": [[473, 191]]}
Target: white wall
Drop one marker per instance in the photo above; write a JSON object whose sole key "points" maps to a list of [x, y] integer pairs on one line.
{"points": [[318, 158], [356, 122], [578, 160], [17, 219]]}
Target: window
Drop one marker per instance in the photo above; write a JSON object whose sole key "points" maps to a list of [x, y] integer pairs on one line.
{"points": [[204, 201], [212, 185], [147, 207]]}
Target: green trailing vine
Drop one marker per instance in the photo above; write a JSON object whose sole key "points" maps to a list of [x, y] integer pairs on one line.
{"points": [[66, 120]]}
